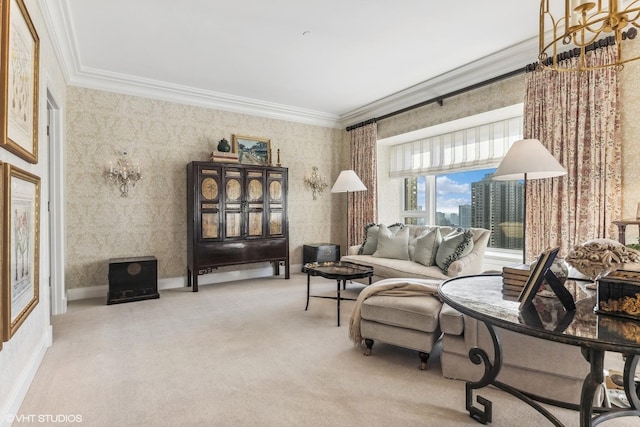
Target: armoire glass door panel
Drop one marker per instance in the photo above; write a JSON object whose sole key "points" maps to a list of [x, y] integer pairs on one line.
{"points": [[255, 187], [275, 223], [255, 224], [209, 188], [233, 224], [275, 191], [233, 190], [210, 225]]}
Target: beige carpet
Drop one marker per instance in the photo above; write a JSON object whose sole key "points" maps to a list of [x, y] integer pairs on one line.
{"points": [[244, 354]]}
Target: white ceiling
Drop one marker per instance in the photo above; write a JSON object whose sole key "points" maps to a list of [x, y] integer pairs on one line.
{"points": [[362, 58]]}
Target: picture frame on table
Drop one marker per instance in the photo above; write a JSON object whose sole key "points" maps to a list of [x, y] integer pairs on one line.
{"points": [[252, 150], [537, 276], [19, 65], [21, 247]]}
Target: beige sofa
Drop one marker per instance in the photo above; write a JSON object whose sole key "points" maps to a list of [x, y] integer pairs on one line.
{"points": [[536, 366], [412, 322], [470, 263], [544, 368]]}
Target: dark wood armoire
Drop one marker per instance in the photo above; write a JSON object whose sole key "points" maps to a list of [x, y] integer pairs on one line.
{"points": [[236, 214]]}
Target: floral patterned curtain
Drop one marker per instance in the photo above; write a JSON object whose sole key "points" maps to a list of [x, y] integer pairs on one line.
{"points": [[576, 116], [363, 204]]}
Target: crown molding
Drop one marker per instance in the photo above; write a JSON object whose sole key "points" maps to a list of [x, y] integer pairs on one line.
{"points": [[507, 60], [62, 33], [154, 89]]}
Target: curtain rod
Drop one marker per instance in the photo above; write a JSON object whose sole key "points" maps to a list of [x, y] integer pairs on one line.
{"points": [[604, 42], [441, 98], [630, 34]]}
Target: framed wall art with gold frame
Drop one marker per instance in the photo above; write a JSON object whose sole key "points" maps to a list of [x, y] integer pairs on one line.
{"points": [[20, 252], [2, 261], [19, 63], [252, 150]]}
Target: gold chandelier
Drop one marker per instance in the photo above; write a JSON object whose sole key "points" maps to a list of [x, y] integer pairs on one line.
{"points": [[579, 25]]}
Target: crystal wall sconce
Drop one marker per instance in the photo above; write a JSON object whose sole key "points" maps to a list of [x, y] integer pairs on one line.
{"points": [[316, 183], [123, 173]]}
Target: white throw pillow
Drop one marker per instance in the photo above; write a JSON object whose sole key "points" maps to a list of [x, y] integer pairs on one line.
{"points": [[392, 245], [427, 246], [370, 243], [454, 246]]}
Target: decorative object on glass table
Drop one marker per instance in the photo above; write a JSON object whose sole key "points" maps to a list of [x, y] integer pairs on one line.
{"points": [[618, 294], [560, 270], [598, 257], [539, 273]]}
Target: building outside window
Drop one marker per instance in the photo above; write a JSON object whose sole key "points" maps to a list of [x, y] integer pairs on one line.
{"points": [[446, 171], [468, 199]]}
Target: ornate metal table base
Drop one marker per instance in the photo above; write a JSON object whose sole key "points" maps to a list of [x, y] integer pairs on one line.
{"points": [[592, 382], [595, 377]]}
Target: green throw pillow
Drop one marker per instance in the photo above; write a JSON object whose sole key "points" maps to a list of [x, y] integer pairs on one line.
{"points": [[454, 246], [370, 243], [394, 245], [427, 246]]}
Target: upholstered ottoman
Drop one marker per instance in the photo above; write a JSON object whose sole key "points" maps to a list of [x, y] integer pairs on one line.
{"points": [[406, 321]]}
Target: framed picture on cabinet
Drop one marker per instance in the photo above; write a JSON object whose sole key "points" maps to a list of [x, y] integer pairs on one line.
{"points": [[19, 60], [21, 243], [252, 150]]}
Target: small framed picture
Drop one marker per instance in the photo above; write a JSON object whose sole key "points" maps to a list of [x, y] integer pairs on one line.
{"points": [[21, 237], [537, 276], [252, 150]]}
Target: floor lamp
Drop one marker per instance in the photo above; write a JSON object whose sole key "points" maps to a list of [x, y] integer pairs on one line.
{"points": [[348, 181], [527, 159]]}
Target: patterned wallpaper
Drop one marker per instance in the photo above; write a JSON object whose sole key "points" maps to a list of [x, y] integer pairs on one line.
{"points": [[163, 137], [630, 130], [497, 95]]}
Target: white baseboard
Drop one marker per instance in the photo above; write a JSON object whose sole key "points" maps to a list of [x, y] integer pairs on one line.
{"points": [[21, 386], [181, 282]]}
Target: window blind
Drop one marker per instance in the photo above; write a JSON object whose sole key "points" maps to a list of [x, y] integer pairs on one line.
{"points": [[478, 147]]}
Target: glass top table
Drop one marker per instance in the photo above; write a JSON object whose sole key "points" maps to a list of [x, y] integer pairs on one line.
{"points": [[481, 298]]}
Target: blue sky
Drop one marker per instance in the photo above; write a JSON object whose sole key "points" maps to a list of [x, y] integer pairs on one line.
{"points": [[452, 190]]}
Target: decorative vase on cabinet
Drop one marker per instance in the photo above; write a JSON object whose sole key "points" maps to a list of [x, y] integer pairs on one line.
{"points": [[237, 214]]}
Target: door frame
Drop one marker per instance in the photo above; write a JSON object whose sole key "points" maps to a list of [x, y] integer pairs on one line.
{"points": [[58, 292]]}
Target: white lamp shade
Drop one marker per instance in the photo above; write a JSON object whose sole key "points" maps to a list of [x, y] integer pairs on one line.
{"points": [[348, 181], [531, 157]]}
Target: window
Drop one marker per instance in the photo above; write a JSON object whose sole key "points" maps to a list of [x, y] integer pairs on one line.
{"points": [[446, 170], [468, 199]]}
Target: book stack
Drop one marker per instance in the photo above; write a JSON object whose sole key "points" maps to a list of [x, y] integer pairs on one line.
{"points": [[514, 278], [224, 157]]}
